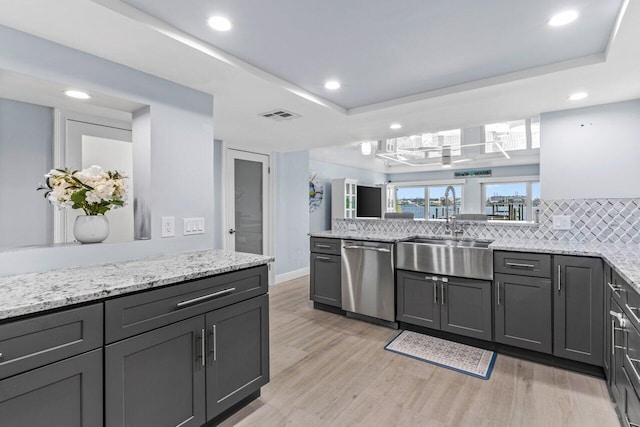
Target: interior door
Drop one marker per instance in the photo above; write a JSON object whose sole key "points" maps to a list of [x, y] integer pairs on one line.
{"points": [[247, 216], [108, 146]]}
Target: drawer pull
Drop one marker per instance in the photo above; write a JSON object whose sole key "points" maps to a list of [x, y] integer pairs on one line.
{"points": [[368, 248], [633, 312], [318, 245], [633, 367], [616, 289], [204, 297], [519, 265], [323, 258], [630, 423], [498, 294], [215, 344]]}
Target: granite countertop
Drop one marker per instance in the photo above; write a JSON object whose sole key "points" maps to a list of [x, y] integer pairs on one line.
{"points": [[368, 236], [624, 259], [35, 292]]}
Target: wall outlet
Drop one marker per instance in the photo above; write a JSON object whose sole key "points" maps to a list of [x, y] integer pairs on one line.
{"points": [[352, 227], [168, 226], [561, 222], [193, 226]]}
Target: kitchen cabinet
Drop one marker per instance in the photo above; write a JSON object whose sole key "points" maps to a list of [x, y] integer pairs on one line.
{"points": [[157, 378], [578, 308], [326, 271], [67, 393], [523, 312], [188, 372], [343, 198], [238, 353], [457, 305]]}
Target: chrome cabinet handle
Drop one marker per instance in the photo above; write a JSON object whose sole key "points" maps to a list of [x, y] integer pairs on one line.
{"points": [[613, 337], [323, 258], [442, 290], [203, 352], [517, 264], [633, 313], [215, 343], [318, 245], [498, 294], [435, 293], [620, 317], [559, 278], [630, 423], [205, 297], [633, 367], [368, 248], [615, 288]]}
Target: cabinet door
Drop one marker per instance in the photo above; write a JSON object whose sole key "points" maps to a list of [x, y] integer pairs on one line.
{"points": [[238, 353], [63, 394], [466, 307], [417, 296], [608, 325], [617, 325], [326, 287], [578, 308], [157, 379], [523, 312]]}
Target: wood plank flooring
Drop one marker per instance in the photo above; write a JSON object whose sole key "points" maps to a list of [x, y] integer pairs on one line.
{"points": [[327, 370]]}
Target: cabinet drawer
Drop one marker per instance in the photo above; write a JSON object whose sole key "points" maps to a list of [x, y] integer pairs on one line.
{"points": [[38, 341], [522, 264], [631, 304], [325, 246], [135, 314], [631, 360]]}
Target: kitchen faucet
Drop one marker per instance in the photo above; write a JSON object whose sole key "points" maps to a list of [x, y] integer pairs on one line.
{"points": [[455, 231]]}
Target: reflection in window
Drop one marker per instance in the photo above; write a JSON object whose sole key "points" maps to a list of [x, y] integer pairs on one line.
{"points": [[413, 200], [512, 201], [510, 136], [535, 132]]}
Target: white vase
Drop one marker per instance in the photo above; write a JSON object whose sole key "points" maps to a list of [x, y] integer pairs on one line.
{"points": [[91, 228]]}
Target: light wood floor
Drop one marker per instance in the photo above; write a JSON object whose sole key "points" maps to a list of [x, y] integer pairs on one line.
{"points": [[327, 370]]}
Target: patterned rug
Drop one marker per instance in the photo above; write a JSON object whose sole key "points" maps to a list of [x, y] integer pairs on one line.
{"points": [[448, 354]]}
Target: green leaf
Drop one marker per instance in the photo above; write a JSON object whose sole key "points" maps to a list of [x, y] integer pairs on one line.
{"points": [[117, 202], [79, 196]]}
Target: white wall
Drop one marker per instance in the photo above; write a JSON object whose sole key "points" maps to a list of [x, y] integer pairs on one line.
{"points": [[292, 211], [320, 220], [26, 154], [181, 149], [591, 152]]}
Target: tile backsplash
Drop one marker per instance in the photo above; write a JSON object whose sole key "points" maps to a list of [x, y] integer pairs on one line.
{"points": [[600, 220]]}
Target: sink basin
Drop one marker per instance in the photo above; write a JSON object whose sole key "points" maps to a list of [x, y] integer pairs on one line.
{"points": [[447, 257]]}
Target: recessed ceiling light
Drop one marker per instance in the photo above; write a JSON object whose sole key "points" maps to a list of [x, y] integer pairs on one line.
{"points": [[77, 94], [563, 18], [332, 85], [578, 96], [395, 126], [219, 23]]}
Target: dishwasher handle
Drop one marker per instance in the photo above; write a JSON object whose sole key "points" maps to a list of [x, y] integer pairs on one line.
{"points": [[367, 248]]}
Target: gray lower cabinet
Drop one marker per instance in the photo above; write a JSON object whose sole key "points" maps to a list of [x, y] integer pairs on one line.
{"points": [[417, 299], [523, 312], [63, 394], [461, 306], [578, 308], [325, 283], [238, 353], [466, 307], [157, 378]]}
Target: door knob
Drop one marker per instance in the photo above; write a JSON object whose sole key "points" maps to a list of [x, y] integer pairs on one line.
{"points": [[232, 231]]}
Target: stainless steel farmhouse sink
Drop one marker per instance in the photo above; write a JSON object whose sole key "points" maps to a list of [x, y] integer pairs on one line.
{"points": [[447, 257]]}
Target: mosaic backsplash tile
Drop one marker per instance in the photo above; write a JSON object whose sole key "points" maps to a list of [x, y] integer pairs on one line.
{"points": [[593, 220]]}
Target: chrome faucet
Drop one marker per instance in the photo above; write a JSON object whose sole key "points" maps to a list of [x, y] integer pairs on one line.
{"points": [[453, 227]]}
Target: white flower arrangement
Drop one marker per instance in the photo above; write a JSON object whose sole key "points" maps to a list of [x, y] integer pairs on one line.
{"points": [[93, 190]]}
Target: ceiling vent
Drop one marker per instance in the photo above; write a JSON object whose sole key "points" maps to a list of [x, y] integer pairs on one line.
{"points": [[280, 115]]}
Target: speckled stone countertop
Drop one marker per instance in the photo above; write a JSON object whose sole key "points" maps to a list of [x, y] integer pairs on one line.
{"points": [[624, 259], [35, 292]]}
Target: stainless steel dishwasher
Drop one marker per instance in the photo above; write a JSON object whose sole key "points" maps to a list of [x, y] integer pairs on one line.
{"points": [[368, 279]]}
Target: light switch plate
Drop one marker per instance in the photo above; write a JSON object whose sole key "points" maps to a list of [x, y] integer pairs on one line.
{"points": [[561, 222], [193, 226], [168, 226]]}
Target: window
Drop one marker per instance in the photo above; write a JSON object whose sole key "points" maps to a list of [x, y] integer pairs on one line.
{"points": [[512, 201], [427, 202]]}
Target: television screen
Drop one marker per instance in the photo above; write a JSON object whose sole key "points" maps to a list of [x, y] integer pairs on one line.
{"points": [[369, 202]]}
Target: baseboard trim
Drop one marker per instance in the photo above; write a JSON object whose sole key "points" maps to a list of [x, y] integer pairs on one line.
{"points": [[285, 277]]}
